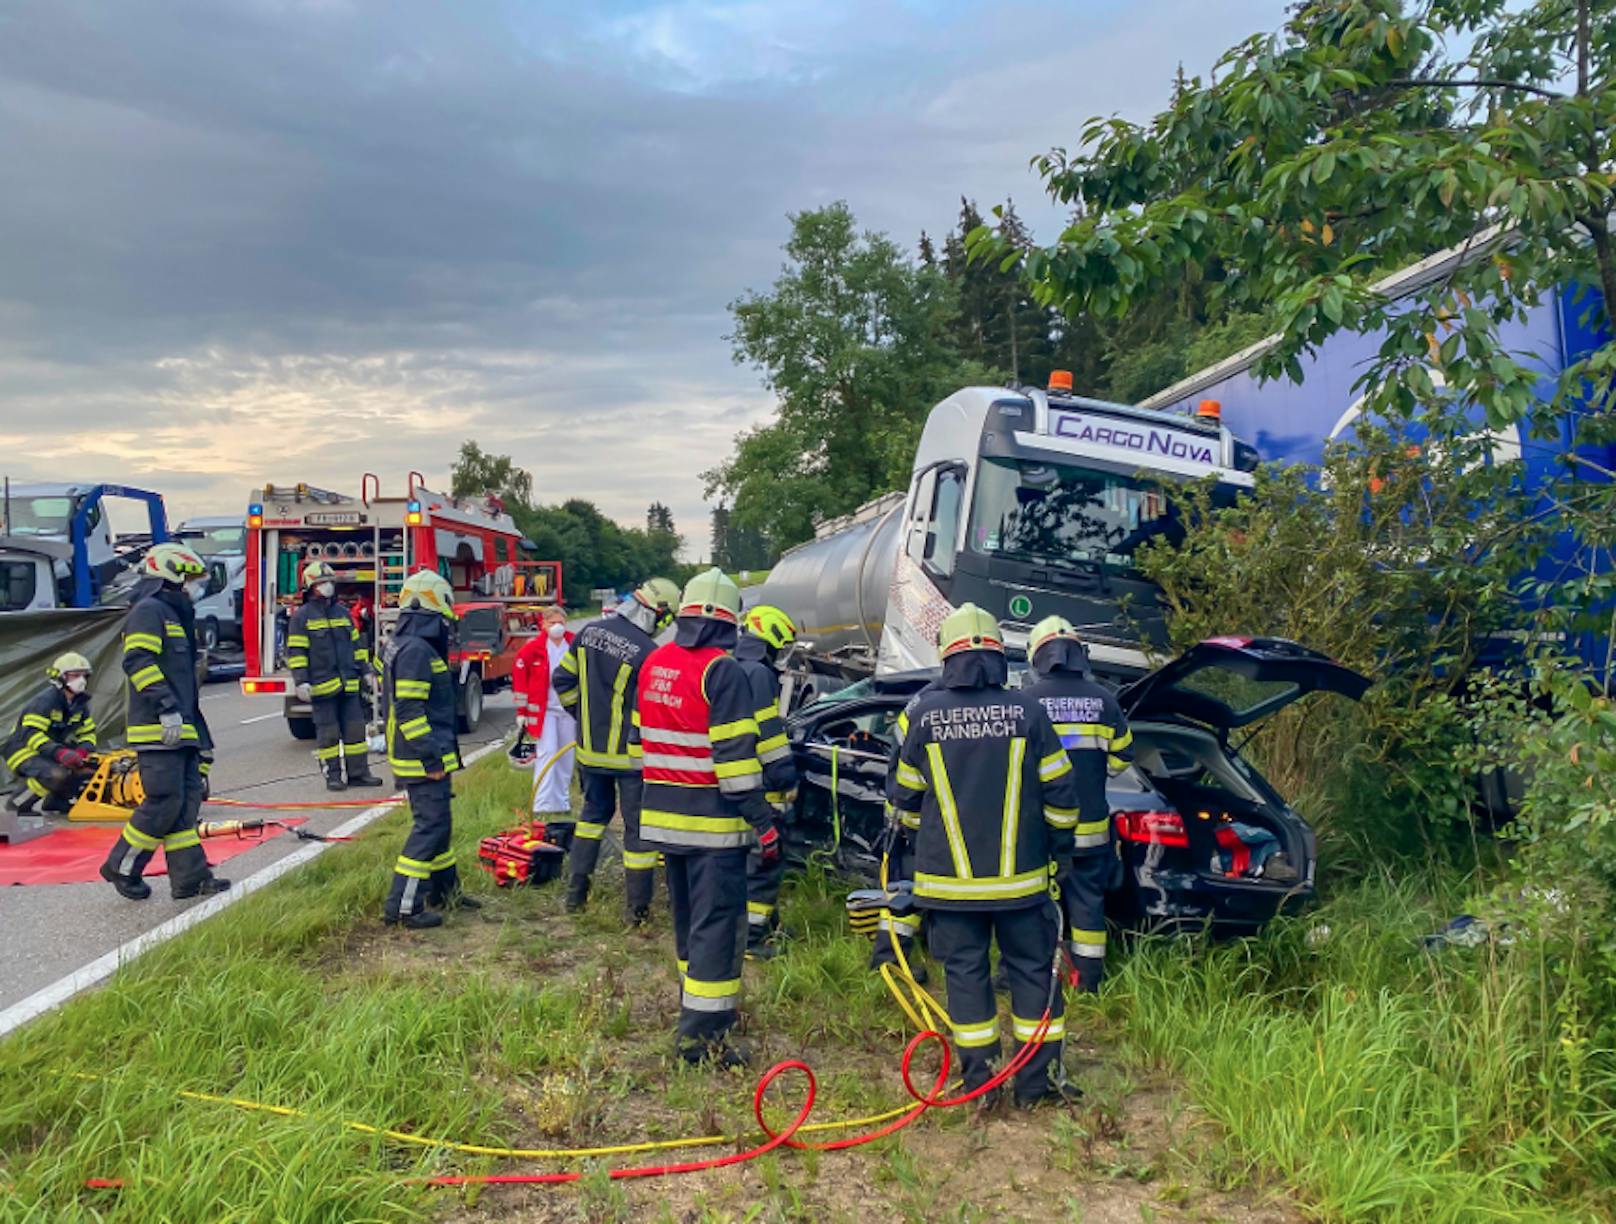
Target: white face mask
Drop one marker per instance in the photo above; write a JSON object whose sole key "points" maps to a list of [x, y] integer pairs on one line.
{"points": [[77, 684], [196, 589], [325, 590], [557, 632]]}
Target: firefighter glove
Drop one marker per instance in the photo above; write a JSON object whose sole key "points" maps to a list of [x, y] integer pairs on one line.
{"points": [[305, 693], [73, 758], [769, 845], [173, 728]]}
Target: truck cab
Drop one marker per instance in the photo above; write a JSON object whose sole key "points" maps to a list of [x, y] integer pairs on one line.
{"points": [[67, 526]]}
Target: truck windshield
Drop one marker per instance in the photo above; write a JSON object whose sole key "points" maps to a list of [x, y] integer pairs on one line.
{"points": [[215, 541], [1058, 512], [39, 516]]}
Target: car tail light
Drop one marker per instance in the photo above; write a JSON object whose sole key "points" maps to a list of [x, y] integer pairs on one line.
{"points": [[259, 687], [1152, 828]]}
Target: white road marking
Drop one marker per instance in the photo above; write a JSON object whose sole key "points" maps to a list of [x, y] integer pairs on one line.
{"points": [[261, 718], [103, 967]]}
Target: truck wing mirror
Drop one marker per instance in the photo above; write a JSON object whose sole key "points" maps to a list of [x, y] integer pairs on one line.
{"points": [[930, 550]]}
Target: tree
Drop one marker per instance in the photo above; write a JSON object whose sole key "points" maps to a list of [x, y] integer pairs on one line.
{"points": [[1359, 139], [478, 473], [853, 340], [659, 519]]}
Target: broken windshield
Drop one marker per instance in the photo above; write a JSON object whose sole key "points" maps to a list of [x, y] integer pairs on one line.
{"points": [[1056, 512]]}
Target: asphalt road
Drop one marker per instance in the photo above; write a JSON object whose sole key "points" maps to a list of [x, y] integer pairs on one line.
{"points": [[48, 931]]}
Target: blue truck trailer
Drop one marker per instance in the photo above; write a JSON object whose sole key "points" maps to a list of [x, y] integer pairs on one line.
{"points": [[1293, 422]]}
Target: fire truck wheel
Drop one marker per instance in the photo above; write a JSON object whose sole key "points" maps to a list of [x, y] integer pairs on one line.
{"points": [[471, 703], [301, 728]]}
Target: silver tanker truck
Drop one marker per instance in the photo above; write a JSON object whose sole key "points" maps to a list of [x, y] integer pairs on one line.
{"points": [[1026, 502]]}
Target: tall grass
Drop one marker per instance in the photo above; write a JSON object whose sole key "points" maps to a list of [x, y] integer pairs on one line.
{"points": [[1382, 1081]]}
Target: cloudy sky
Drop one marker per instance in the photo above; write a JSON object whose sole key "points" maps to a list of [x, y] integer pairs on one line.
{"points": [[297, 239]]}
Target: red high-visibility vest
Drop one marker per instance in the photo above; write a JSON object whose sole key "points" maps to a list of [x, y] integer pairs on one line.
{"points": [[675, 716]]}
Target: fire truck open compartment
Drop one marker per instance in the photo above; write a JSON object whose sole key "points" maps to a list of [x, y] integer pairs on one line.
{"points": [[372, 544]]}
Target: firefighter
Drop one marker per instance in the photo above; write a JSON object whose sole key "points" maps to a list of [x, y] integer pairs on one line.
{"points": [[899, 922], [328, 658], [418, 692], [767, 632], [994, 792], [51, 750], [704, 806], [597, 682], [1095, 734], [166, 729]]}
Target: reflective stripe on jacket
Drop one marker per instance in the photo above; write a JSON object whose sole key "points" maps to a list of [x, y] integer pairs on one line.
{"points": [[422, 706], [324, 649], [773, 749], [50, 722], [159, 662], [992, 797], [695, 724], [1095, 734], [598, 682]]}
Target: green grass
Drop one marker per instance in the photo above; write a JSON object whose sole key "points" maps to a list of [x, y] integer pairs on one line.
{"points": [[1368, 1079], [1381, 1081]]}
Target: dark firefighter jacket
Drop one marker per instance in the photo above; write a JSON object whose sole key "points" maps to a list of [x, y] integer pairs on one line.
{"points": [[982, 769], [695, 722], [597, 681], [773, 749], [1095, 735], [159, 659], [52, 720], [419, 692], [324, 649]]}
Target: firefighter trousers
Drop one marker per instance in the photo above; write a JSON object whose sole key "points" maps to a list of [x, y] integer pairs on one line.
{"points": [[708, 892], [605, 793], [425, 872], [44, 780], [172, 781], [1083, 886], [959, 941], [762, 896], [339, 735]]}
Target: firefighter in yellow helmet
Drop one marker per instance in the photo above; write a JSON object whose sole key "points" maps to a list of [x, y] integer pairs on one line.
{"points": [[989, 791], [329, 660], [50, 751], [598, 681], [767, 631], [166, 729], [1095, 733], [704, 805], [422, 710]]}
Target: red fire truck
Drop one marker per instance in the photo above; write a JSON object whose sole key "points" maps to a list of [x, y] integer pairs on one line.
{"points": [[373, 543]]}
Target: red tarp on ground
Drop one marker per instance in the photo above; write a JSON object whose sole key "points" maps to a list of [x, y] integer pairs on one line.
{"points": [[74, 855]]}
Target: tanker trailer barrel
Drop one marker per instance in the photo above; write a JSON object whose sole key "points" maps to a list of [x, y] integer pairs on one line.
{"points": [[835, 586]]}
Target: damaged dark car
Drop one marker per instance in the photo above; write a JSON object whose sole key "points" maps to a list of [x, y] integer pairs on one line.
{"points": [[1202, 839]]}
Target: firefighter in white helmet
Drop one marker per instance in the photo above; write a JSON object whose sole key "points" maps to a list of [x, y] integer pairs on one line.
{"points": [[422, 710], [50, 752], [704, 805], [166, 729], [329, 661]]}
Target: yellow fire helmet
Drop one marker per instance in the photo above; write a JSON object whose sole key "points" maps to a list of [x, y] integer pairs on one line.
{"points": [[969, 627], [67, 664], [661, 595], [173, 563], [772, 625], [427, 591], [317, 571], [1048, 630], [714, 595]]}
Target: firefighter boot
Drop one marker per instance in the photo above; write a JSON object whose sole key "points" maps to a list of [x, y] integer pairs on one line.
{"points": [[204, 887], [333, 775], [130, 888], [577, 894], [421, 920], [360, 775]]}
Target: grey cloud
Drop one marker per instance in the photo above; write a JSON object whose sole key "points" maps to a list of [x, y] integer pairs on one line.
{"points": [[315, 237]]}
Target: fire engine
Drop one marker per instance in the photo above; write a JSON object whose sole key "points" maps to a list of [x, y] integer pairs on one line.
{"points": [[373, 543]]}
